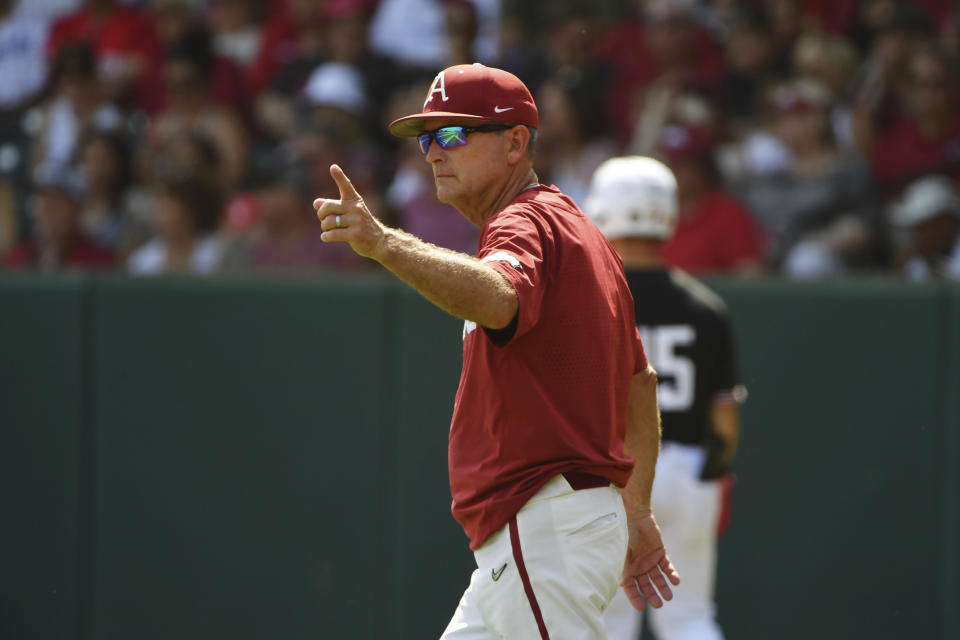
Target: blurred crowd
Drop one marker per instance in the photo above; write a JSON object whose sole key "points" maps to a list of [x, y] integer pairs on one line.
{"points": [[809, 138]]}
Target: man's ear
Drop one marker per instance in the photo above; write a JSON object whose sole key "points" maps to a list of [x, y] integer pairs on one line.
{"points": [[518, 138]]}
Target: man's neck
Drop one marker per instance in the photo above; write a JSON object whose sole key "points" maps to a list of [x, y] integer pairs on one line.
{"points": [[485, 210]]}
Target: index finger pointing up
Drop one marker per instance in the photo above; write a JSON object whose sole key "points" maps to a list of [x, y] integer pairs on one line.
{"points": [[347, 192]]}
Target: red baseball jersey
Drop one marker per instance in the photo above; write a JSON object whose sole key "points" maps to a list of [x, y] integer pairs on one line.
{"points": [[549, 393]]}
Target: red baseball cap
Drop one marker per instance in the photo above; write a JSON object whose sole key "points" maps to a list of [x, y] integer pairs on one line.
{"points": [[684, 141], [472, 92]]}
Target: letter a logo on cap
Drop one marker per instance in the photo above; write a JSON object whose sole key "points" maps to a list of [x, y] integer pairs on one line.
{"points": [[439, 86]]}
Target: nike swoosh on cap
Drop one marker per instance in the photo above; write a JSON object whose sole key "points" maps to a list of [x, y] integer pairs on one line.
{"points": [[497, 109]]}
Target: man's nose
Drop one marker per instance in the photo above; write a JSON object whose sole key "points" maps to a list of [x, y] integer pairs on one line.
{"points": [[434, 152]]}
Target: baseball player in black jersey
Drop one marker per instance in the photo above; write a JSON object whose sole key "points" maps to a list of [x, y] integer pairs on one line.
{"points": [[688, 340]]}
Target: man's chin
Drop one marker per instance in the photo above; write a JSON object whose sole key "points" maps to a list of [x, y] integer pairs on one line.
{"points": [[444, 194]]}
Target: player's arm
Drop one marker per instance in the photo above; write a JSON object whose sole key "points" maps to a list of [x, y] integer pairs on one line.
{"points": [[642, 441], [724, 418], [647, 562], [457, 283], [725, 421]]}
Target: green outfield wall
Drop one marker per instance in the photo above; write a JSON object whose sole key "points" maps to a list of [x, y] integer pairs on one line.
{"points": [[266, 459]]}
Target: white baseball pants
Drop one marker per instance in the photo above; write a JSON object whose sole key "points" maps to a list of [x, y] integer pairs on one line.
{"points": [[549, 572], [687, 510]]}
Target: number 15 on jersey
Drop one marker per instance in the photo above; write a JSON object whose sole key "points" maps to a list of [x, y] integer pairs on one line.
{"points": [[676, 372]]}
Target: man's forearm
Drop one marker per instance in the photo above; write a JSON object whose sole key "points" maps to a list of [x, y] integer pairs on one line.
{"points": [[642, 441], [459, 284], [725, 424]]}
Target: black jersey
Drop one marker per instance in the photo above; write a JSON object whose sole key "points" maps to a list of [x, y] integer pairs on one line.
{"points": [[687, 337]]}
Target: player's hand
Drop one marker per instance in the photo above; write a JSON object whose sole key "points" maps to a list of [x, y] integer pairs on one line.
{"points": [[647, 567], [357, 226]]}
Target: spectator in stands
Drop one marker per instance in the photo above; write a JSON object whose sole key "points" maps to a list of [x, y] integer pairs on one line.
{"points": [[126, 45], [653, 55], [787, 23], [571, 140], [59, 241], [189, 151], [928, 140], [825, 59], [49, 11], [236, 29], [347, 43], [175, 20], [571, 38], [423, 42], [748, 70], [929, 212], [287, 237], [884, 74], [568, 46], [23, 69], [105, 161], [75, 107], [187, 74], [22, 64], [323, 73], [293, 36], [188, 212], [334, 104], [714, 232], [310, 35], [820, 213], [831, 61], [461, 28]]}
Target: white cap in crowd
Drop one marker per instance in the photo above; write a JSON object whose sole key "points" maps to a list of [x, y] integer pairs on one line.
{"points": [[926, 198], [336, 84], [633, 196]]}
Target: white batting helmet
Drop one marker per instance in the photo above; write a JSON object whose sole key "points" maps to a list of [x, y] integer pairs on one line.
{"points": [[633, 196]]}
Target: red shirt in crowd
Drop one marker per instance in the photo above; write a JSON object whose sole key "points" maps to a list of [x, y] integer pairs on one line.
{"points": [[715, 234], [904, 155], [633, 66], [83, 253], [125, 32], [278, 48], [550, 396]]}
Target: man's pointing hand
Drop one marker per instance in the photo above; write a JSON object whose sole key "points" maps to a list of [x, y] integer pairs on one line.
{"points": [[348, 219]]}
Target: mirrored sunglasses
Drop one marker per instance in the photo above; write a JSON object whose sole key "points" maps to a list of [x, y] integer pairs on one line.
{"points": [[450, 137]]}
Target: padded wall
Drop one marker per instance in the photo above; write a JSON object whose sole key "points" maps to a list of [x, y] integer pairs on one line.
{"points": [[837, 521], [260, 459], [42, 446]]}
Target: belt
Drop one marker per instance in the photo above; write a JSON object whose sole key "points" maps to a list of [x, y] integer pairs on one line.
{"points": [[579, 480]]}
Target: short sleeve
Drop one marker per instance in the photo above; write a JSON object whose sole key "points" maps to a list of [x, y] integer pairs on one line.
{"points": [[727, 385], [517, 247]]}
